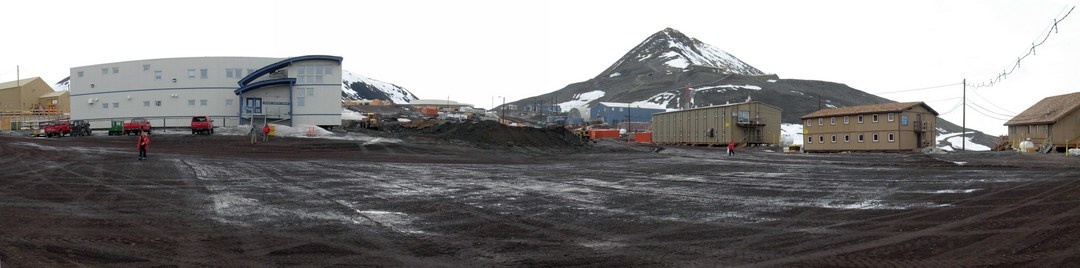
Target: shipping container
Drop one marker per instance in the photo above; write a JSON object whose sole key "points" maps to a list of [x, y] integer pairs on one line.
{"points": [[643, 137], [603, 134]]}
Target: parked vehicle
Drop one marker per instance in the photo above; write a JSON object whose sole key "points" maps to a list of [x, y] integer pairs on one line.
{"points": [[202, 124], [117, 127], [57, 129], [80, 128], [137, 126]]}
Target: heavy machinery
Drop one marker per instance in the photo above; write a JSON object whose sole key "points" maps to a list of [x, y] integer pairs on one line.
{"points": [[117, 127], [80, 128]]}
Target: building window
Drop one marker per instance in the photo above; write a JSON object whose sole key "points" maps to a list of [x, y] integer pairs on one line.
{"points": [[821, 139], [300, 101], [847, 138], [311, 92], [821, 121], [875, 137], [105, 106], [146, 103], [809, 139], [202, 102], [116, 105], [833, 138], [873, 118], [891, 117], [115, 70], [228, 102], [845, 120], [860, 119], [229, 73], [146, 67], [191, 102], [203, 73], [808, 122], [104, 71], [157, 75], [860, 137], [190, 73], [157, 103], [832, 120], [80, 73], [891, 137]]}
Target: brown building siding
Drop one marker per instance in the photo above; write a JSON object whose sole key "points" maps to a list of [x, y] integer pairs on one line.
{"points": [[744, 123], [1054, 120], [896, 128]]}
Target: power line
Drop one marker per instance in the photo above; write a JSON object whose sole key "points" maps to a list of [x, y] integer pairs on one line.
{"points": [[992, 103], [988, 110], [917, 89], [1052, 29]]}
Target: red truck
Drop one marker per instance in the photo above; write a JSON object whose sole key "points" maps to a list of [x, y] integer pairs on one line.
{"points": [[137, 126], [202, 124], [57, 128]]}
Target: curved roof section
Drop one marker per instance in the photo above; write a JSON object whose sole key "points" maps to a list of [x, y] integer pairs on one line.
{"points": [[265, 83], [281, 64]]}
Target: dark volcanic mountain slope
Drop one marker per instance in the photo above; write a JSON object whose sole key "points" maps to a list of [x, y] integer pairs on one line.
{"points": [[672, 70]]}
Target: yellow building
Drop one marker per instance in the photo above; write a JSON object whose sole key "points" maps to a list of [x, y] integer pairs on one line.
{"points": [[30, 100], [903, 126]]}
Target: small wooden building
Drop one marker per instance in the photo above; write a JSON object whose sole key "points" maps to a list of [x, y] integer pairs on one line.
{"points": [[903, 126], [1052, 122], [744, 123]]}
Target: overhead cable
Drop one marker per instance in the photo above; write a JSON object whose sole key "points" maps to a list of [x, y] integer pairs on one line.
{"points": [[1052, 29]]}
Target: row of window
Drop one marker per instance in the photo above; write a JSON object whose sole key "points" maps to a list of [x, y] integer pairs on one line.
{"points": [[832, 120], [304, 74], [157, 103], [847, 138]]}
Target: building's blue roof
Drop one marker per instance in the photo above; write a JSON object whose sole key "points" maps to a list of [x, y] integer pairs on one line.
{"points": [[264, 83], [282, 64]]}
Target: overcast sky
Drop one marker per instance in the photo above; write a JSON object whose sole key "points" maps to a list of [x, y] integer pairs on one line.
{"points": [[473, 51]]}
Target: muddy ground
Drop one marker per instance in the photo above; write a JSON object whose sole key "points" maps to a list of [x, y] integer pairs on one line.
{"points": [[220, 201]]}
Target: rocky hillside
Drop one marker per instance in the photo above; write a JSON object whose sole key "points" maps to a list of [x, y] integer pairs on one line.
{"points": [[672, 70]]}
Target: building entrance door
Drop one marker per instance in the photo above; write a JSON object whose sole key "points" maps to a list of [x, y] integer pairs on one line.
{"points": [[254, 105]]}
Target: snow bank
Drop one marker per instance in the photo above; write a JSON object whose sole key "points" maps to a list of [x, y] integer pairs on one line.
{"points": [[347, 114], [957, 142]]}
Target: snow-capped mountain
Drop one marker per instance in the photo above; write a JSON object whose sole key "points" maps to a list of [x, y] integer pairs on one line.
{"points": [[359, 87], [672, 50], [673, 71]]}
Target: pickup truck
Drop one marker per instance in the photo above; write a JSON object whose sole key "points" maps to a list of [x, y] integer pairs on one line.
{"points": [[202, 124], [57, 128], [137, 126]]}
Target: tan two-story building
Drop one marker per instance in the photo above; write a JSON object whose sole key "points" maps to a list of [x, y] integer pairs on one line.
{"points": [[1053, 121], [903, 126]]}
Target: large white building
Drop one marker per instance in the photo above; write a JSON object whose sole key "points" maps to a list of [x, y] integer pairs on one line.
{"points": [[303, 90]]}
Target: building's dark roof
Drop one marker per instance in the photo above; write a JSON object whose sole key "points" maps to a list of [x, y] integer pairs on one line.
{"points": [[1048, 110], [869, 109]]}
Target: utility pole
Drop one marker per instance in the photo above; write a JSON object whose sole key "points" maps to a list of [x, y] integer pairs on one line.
{"points": [[963, 121]]}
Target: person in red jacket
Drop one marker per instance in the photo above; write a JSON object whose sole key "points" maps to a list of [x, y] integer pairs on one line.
{"points": [[266, 132], [731, 148], [143, 142]]}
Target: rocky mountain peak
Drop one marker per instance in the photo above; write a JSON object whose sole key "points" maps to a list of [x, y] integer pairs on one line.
{"points": [[672, 50]]}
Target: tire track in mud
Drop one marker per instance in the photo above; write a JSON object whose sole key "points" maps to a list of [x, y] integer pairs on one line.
{"points": [[934, 230]]}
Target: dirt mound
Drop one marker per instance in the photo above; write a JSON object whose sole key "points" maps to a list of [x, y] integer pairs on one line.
{"points": [[486, 133]]}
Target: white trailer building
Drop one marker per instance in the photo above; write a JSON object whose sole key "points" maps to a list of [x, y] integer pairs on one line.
{"points": [[303, 90]]}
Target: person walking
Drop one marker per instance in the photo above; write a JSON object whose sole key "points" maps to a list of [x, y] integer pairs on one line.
{"points": [[144, 143], [266, 132], [254, 135], [731, 147]]}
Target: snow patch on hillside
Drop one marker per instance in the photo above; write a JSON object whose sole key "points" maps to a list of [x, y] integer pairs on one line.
{"points": [[581, 102], [955, 141], [793, 132], [396, 93]]}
